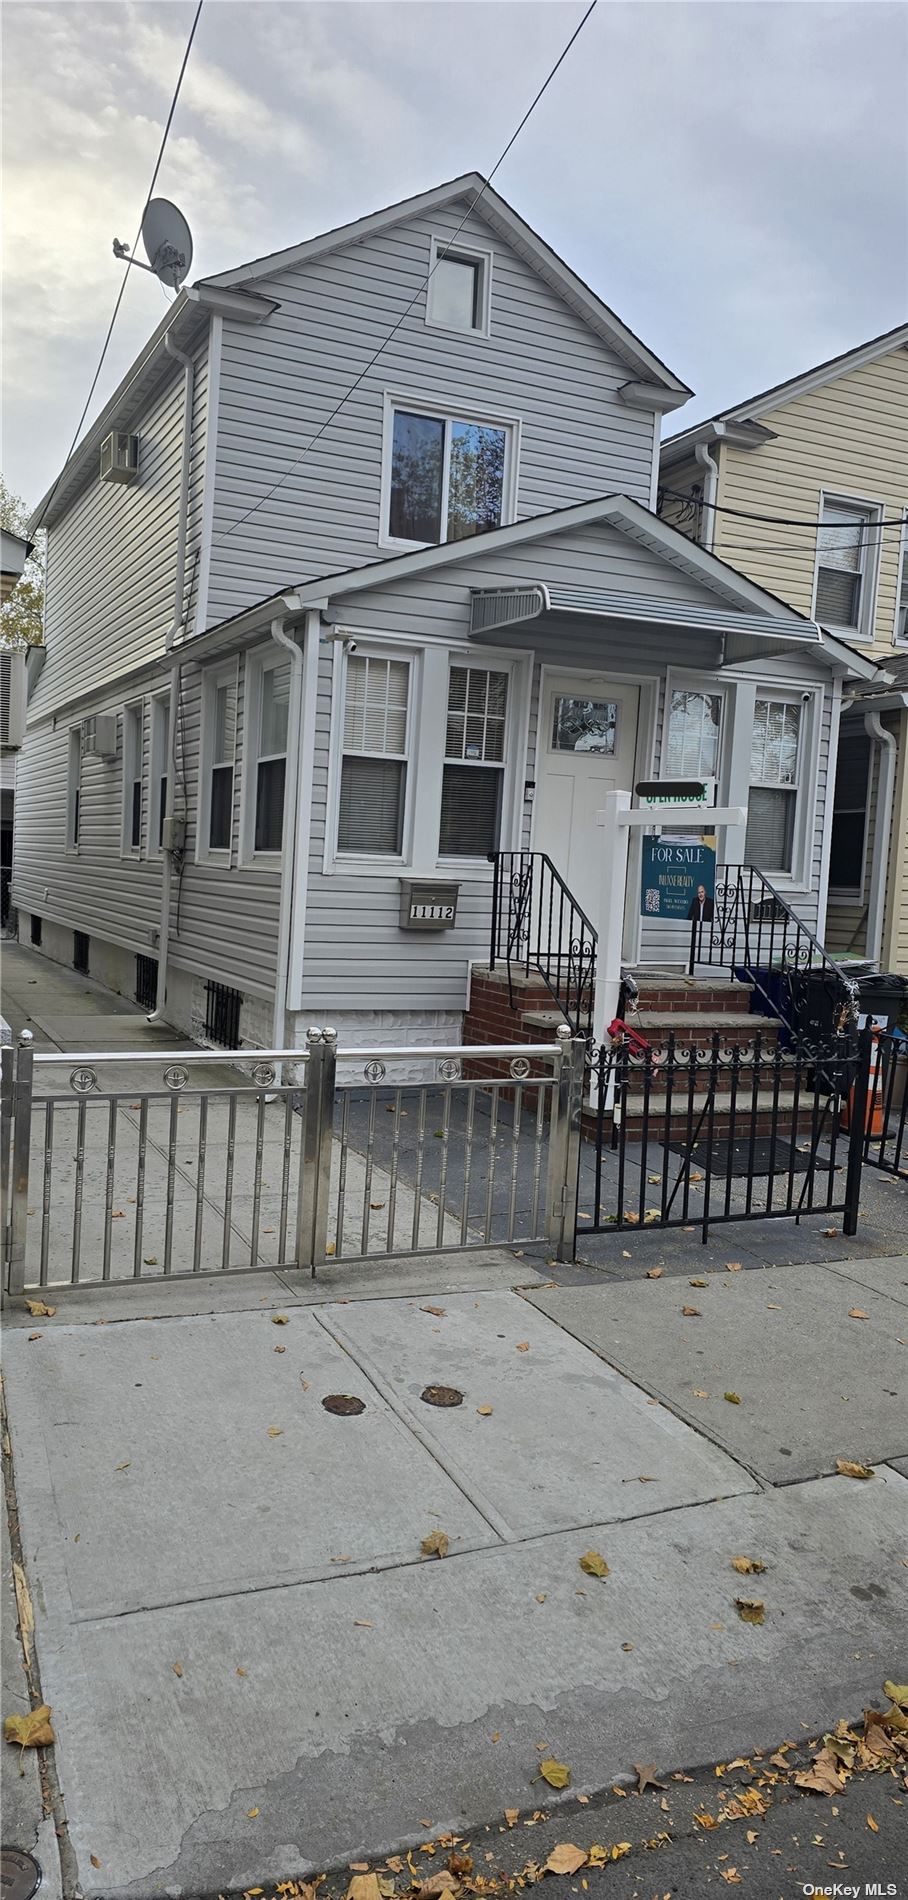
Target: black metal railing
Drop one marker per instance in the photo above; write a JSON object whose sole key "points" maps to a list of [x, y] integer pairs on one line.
{"points": [[755, 936], [687, 1136], [538, 928], [886, 1123]]}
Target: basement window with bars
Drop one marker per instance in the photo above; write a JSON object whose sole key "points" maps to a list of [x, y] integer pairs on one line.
{"points": [[80, 951], [146, 982], [373, 787], [473, 774], [222, 1015], [775, 764], [847, 547]]}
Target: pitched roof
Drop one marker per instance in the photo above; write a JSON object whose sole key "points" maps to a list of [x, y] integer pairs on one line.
{"points": [[746, 414], [501, 216]]}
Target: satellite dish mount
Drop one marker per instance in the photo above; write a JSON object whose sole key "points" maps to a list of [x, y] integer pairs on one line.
{"points": [[168, 243]]}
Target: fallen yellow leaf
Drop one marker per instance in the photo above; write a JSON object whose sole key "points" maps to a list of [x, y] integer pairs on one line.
{"points": [[177, 1668], [733, 1266], [38, 1310], [30, 1731], [750, 1609], [364, 1887], [654, 1273], [541, 1597], [872, 1824], [435, 1545], [280, 1348], [512, 1815], [690, 1312], [280, 1319], [699, 1393], [848, 1468], [523, 1345], [857, 1312], [252, 1813], [274, 1431], [565, 1859], [732, 1397], [438, 1311], [556, 1773], [594, 1564], [747, 1566], [897, 1692], [242, 1672], [698, 1283], [484, 1411]]}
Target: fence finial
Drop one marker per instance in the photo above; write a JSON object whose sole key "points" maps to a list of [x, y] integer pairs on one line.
{"points": [[25, 1037]]}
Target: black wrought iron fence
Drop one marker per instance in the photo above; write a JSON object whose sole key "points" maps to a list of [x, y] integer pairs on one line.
{"points": [[755, 935], [886, 1129], [691, 1136], [539, 928]]}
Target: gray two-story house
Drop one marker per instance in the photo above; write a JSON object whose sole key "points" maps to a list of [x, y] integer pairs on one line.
{"points": [[358, 581]]}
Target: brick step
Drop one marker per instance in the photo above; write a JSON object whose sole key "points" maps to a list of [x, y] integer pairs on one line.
{"points": [[685, 995], [673, 1128]]}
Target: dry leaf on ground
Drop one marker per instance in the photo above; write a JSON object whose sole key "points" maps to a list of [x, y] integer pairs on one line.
{"points": [[857, 1312], [734, 1266], [849, 1468], [523, 1345], [654, 1273], [364, 1887], [38, 1310], [594, 1564], [691, 1312], [436, 1544], [280, 1319], [645, 1772], [556, 1773], [699, 1393], [30, 1731], [747, 1566], [734, 1398], [437, 1311], [565, 1859], [483, 1411], [897, 1692], [698, 1283], [177, 1668], [512, 1816], [274, 1431], [750, 1609], [824, 1777]]}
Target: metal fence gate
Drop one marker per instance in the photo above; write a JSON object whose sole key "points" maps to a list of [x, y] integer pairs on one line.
{"points": [[122, 1166], [686, 1136]]}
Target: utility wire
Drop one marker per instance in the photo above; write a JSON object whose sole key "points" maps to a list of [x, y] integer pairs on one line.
{"points": [[776, 521], [335, 412], [122, 289]]}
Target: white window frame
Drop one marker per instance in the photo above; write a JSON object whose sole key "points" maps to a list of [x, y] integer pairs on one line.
{"points": [[901, 580], [808, 702], [478, 662], [677, 681], [227, 674], [871, 566], [427, 716], [74, 812], [133, 759], [447, 412], [470, 254], [259, 661], [159, 767], [851, 896]]}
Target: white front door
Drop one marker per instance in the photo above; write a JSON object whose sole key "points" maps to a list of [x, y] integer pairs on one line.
{"points": [[586, 746]]}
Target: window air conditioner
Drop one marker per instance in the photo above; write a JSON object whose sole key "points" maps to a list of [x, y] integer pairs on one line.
{"points": [[120, 457], [99, 736]]}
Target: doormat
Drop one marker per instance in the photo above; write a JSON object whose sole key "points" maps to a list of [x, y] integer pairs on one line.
{"points": [[745, 1157]]}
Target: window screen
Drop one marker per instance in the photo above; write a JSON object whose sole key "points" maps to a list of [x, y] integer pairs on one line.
{"points": [[842, 546]]}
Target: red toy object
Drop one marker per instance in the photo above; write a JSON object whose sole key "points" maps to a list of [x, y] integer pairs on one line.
{"points": [[620, 1028]]}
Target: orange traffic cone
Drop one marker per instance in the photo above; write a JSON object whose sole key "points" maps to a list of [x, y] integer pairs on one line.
{"points": [[874, 1112]]}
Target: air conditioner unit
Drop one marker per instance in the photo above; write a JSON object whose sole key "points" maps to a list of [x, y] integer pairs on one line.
{"points": [[99, 736], [120, 457]]}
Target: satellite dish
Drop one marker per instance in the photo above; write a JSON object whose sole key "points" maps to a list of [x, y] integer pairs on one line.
{"points": [[168, 241]]}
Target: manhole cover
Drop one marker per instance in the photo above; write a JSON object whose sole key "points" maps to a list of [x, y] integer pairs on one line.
{"points": [[20, 1875], [343, 1404], [442, 1395]]}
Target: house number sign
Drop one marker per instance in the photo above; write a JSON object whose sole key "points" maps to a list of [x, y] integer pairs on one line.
{"points": [[425, 906]]}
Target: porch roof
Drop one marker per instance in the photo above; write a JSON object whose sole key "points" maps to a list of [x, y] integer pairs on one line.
{"points": [[743, 636]]}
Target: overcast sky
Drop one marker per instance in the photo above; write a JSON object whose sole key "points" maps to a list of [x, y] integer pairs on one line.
{"points": [[731, 178]]}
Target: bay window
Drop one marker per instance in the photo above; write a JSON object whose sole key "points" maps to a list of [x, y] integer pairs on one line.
{"points": [[447, 477], [474, 764], [775, 768], [373, 784]]}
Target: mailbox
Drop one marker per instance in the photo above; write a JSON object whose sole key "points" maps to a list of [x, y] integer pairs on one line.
{"points": [[427, 906]]}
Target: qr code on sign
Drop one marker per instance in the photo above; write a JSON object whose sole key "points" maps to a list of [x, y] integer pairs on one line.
{"points": [[652, 902]]}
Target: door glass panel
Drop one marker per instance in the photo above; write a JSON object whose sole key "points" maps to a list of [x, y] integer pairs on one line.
{"points": [[584, 725]]}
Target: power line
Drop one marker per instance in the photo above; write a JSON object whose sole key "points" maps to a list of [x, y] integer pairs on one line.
{"points": [[122, 289], [335, 412], [776, 521]]}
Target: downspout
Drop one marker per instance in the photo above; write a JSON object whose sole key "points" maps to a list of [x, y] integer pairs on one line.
{"points": [[884, 799], [176, 626], [290, 822], [710, 489]]}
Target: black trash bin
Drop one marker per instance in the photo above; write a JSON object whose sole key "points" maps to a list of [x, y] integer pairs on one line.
{"points": [[883, 998]]}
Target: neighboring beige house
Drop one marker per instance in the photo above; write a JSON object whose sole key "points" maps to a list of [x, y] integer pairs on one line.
{"points": [[804, 488]]}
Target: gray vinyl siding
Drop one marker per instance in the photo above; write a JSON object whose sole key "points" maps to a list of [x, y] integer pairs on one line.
{"points": [[281, 380], [226, 916], [112, 556]]}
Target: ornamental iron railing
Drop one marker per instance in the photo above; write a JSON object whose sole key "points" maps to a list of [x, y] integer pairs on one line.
{"points": [[755, 936], [538, 928]]}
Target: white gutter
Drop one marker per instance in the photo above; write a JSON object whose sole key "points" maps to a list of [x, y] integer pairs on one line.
{"points": [[885, 793], [290, 824], [710, 490], [174, 705]]}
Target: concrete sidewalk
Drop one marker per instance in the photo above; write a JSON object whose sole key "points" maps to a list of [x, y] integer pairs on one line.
{"points": [[254, 1671]]}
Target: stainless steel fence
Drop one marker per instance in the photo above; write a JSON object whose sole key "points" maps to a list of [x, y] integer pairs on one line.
{"points": [[123, 1166]]}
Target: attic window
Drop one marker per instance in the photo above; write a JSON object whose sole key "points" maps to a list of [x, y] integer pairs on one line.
{"points": [[457, 297]]}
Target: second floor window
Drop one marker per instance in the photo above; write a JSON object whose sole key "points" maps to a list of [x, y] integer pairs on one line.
{"points": [[846, 546], [449, 477], [132, 778]]}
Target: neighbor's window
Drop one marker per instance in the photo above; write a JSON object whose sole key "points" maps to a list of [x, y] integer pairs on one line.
{"points": [[473, 774], [374, 766], [217, 789], [849, 813], [132, 778], [271, 755], [846, 546], [458, 292], [692, 746], [901, 611], [160, 749], [74, 788], [448, 477], [775, 763]]}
